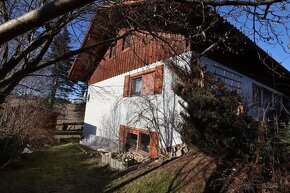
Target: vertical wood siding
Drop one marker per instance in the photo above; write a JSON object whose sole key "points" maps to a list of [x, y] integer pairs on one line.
{"points": [[144, 50]]}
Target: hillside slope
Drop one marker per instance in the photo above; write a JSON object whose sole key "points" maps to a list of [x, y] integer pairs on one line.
{"points": [[68, 168]]}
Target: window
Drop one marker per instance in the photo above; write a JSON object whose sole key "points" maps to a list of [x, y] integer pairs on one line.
{"points": [[277, 101], [132, 141], [136, 84], [113, 50], [257, 95], [267, 98], [231, 80], [140, 140], [126, 42], [144, 142], [148, 82]]}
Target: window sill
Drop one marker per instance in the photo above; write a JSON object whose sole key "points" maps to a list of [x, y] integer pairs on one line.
{"points": [[155, 94]]}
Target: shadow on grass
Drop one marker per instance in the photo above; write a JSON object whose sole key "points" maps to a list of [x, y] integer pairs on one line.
{"points": [[192, 174], [134, 177]]}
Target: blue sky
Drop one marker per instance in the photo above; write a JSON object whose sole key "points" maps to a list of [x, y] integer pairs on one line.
{"points": [[273, 23], [277, 53]]}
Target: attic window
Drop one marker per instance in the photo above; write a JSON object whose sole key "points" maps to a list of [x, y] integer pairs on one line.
{"points": [[113, 50], [126, 42]]}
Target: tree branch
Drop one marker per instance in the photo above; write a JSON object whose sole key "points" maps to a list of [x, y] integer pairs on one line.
{"points": [[38, 17], [232, 2]]}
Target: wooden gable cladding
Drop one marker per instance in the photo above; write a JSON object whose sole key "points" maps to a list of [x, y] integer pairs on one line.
{"points": [[151, 82], [145, 49], [153, 143]]}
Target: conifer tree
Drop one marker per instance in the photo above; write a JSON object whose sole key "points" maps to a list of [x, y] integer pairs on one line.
{"points": [[61, 87], [243, 148]]}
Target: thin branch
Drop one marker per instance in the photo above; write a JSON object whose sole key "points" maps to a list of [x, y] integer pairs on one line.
{"points": [[233, 3]]}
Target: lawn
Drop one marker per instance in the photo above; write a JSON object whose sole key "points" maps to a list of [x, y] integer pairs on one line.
{"points": [[67, 168], [62, 168]]}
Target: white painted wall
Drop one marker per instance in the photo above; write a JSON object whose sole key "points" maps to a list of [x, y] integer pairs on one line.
{"points": [[106, 108]]}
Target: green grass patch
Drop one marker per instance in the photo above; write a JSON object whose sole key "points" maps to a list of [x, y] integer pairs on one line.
{"points": [[67, 168], [62, 168], [150, 183]]}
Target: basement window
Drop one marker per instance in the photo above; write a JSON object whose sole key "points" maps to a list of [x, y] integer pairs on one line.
{"points": [[139, 140], [144, 142], [132, 141]]}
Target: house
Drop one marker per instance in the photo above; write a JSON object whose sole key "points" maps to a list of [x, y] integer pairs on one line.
{"points": [[130, 97]]}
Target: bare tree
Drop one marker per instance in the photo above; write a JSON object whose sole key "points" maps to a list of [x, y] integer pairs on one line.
{"points": [[24, 54]]}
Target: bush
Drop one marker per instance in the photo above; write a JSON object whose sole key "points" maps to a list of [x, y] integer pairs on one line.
{"points": [[8, 147], [24, 122]]}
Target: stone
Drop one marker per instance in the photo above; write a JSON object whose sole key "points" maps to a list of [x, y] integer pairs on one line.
{"points": [[26, 150], [185, 150], [103, 158], [113, 163], [179, 153]]}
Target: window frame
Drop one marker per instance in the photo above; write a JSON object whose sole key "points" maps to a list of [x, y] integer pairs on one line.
{"points": [[257, 95], [113, 50], [155, 81], [132, 80], [221, 74], [126, 43], [266, 103], [152, 144]]}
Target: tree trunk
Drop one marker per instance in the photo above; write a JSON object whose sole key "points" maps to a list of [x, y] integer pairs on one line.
{"points": [[38, 17]]}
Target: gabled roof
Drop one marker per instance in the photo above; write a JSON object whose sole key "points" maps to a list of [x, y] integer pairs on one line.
{"points": [[250, 60]]}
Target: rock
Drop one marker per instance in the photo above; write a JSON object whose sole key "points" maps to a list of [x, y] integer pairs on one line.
{"points": [[179, 153], [185, 150], [113, 163], [26, 150]]}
